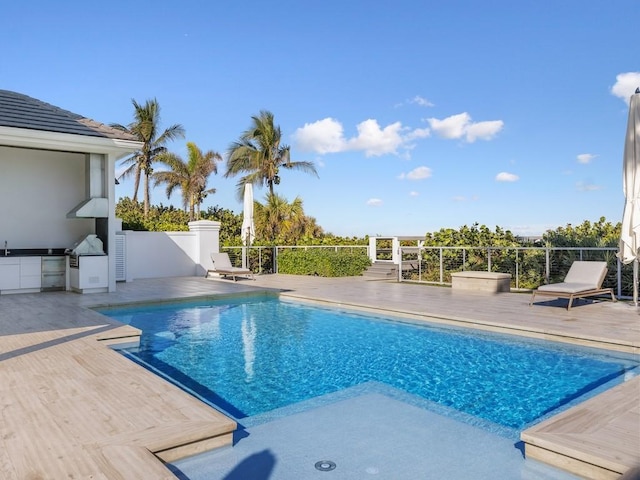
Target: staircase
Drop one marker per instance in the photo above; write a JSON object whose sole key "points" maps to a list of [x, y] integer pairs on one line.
{"points": [[381, 271]]}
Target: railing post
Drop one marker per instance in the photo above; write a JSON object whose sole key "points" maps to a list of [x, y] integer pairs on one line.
{"points": [[441, 267], [488, 259], [547, 267], [619, 277], [275, 260], [517, 269]]}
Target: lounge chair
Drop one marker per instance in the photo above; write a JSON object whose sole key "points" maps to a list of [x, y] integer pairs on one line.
{"points": [[222, 266], [584, 279]]}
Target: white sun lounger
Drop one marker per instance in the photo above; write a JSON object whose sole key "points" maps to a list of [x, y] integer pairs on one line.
{"points": [[222, 266], [584, 279]]}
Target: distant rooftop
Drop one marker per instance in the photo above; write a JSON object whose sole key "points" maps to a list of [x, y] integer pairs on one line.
{"points": [[21, 111]]}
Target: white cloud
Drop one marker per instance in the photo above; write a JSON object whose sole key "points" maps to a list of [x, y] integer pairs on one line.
{"points": [[507, 177], [423, 102], [450, 127], [323, 136], [626, 84], [414, 194], [376, 141], [374, 202], [585, 157], [483, 130], [418, 173], [587, 187], [327, 136], [461, 125], [418, 133]]}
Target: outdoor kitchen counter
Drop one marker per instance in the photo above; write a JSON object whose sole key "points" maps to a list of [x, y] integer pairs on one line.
{"points": [[33, 252], [32, 270]]}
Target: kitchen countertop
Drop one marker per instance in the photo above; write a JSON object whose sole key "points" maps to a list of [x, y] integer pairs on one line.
{"points": [[33, 252]]}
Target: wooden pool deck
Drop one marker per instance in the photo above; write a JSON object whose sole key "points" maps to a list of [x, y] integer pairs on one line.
{"points": [[73, 408]]}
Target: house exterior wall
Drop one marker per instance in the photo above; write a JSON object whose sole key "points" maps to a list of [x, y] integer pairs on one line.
{"points": [[37, 189]]}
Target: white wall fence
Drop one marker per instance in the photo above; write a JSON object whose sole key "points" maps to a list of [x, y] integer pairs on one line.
{"points": [[167, 254]]}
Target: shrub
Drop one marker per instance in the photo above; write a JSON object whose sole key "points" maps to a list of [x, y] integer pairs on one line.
{"points": [[323, 262]]}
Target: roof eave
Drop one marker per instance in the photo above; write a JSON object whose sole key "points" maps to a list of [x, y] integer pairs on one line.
{"points": [[43, 140]]}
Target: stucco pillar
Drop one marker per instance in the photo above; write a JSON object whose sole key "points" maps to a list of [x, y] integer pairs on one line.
{"points": [[372, 249], [395, 250], [207, 242]]}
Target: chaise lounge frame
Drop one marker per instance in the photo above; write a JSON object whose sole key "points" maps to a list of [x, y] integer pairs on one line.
{"points": [[584, 279], [222, 266]]}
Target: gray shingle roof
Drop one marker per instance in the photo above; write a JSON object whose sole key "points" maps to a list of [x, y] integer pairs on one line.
{"points": [[21, 111]]}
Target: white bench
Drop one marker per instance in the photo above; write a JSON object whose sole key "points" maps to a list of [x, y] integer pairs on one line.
{"points": [[481, 281]]}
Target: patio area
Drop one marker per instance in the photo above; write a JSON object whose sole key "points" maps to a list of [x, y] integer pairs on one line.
{"points": [[71, 407]]}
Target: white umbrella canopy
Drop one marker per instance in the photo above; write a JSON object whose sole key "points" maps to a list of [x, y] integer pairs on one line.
{"points": [[630, 235], [248, 227]]}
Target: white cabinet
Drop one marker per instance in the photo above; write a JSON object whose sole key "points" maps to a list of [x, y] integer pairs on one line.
{"points": [[30, 272], [9, 273], [90, 274]]}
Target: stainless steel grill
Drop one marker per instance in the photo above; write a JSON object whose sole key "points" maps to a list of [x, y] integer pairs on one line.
{"points": [[87, 245], [88, 266]]}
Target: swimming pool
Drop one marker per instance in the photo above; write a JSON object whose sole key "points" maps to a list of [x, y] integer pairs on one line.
{"points": [[253, 355]]}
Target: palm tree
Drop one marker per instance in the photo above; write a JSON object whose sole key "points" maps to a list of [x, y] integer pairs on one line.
{"points": [[145, 128], [283, 222], [190, 176], [259, 155]]}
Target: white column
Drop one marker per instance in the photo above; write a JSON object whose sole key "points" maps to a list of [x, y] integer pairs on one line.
{"points": [[372, 249], [207, 242], [395, 250], [113, 224]]}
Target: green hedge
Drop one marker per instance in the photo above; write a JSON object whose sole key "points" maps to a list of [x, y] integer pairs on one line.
{"points": [[323, 262]]}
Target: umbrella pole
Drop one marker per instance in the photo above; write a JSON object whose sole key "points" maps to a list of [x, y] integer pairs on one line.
{"points": [[245, 249], [635, 282]]}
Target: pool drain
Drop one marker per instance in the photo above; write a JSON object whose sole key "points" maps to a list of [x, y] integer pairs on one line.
{"points": [[325, 465]]}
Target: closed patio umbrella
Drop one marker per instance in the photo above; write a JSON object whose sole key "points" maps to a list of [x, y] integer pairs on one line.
{"points": [[248, 228], [630, 235]]}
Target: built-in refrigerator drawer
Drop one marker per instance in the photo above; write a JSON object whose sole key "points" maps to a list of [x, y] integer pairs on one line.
{"points": [[53, 273]]}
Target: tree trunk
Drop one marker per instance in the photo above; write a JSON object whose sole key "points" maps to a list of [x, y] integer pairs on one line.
{"points": [[136, 185], [146, 194]]}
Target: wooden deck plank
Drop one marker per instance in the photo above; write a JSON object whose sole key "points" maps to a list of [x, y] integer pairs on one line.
{"points": [[602, 431]]}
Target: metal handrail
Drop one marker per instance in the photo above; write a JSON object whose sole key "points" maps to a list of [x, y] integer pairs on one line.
{"points": [[264, 259], [526, 265]]}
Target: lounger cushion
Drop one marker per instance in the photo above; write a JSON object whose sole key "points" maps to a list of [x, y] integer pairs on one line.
{"points": [[593, 272], [567, 287]]}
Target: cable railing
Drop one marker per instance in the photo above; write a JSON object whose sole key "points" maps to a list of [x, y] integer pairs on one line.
{"points": [[529, 267], [265, 259]]}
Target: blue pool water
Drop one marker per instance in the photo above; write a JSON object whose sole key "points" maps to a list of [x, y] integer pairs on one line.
{"points": [[257, 354]]}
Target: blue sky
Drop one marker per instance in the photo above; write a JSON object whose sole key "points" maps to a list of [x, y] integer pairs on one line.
{"points": [[417, 114]]}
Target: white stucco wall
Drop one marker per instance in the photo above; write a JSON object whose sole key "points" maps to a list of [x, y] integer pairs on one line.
{"points": [[37, 189], [171, 254], [159, 254]]}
